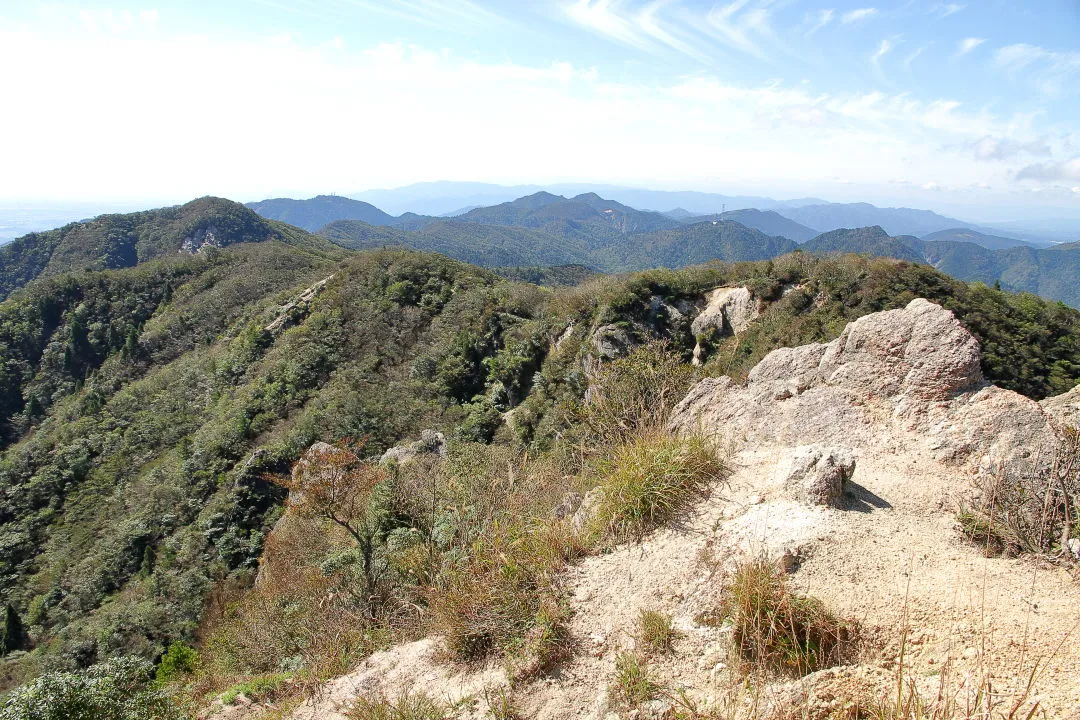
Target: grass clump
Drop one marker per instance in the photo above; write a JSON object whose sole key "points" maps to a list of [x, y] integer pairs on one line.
{"points": [[654, 479], [776, 630], [257, 689], [632, 687], [655, 632], [407, 706]]}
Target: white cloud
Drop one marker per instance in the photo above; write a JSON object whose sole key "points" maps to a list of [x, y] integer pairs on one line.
{"points": [[1052, 71], [1068, 170], [322, 117], [944, 11], [968, 44], [930, 186], [857, 15], [884, 49], [824, 17]]}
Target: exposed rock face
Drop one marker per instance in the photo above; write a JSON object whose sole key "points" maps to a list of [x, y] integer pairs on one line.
{"points": [[1064, 408], [729, 310], [430, 442], [610, 342], [202, 238], [890, 373], [816, 475]]}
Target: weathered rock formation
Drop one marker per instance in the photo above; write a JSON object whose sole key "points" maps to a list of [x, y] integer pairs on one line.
{"points": [[430, 443], [728, 310], [888, 376]]}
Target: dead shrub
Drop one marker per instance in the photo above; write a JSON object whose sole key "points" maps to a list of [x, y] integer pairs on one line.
{"points": [[1031, 508]]}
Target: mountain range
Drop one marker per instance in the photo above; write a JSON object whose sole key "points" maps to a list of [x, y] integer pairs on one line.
{"points": [[544, 229]]}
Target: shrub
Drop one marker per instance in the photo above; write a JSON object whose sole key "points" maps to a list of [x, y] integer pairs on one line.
{"points": [[655, 479], [655, 632], [258, 689], [773, 629], [178, 660], [119, 689], [1033, 509], [635, 393], [505, 597], [632, 686]]}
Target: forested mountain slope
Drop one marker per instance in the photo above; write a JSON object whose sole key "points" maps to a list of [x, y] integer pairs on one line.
{"points": [[318, 211], [145, 406], [119, 241]]}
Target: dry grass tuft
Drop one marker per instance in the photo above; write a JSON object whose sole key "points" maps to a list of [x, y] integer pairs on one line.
{"points": [[407, 706], [655, 633], [655, 479], [775, 630], [632, 687]]}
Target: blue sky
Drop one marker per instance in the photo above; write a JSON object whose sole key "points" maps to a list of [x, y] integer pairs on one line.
{"points": [[934, 104]]}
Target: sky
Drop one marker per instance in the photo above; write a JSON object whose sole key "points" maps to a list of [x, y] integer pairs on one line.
{"points": [[945, 105]]}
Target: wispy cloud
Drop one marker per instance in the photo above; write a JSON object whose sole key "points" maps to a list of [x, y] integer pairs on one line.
{"points": [[1056, 71], [913, 56], [884, 49], [652, 26], [854, 16], [990, 148], [968, 44], [641, 27], [434, 13], [823, 18], [603, 17], [944, 10], [739, 25]]}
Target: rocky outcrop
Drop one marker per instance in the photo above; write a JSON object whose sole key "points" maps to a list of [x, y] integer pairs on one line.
{"points": [[430, 443], [888, 375], [292, 311], [610, 342], [1064, 408], [728, 310], [816, 475]]}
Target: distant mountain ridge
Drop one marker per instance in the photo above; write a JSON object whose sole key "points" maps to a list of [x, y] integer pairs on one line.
{"points": [[895, 221], [320, 210], [1049, 272], [109, 242]]}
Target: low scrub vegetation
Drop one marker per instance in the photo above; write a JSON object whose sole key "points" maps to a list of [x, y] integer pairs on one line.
{"points": [[655, 479], [1029, 508], [119, 689], [632, 686], [655, 633], [775, 630], [406, 706]]}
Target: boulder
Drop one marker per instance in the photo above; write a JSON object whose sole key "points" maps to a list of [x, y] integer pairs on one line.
{"points": [[728, 310], [816, 475], [430, 443]]}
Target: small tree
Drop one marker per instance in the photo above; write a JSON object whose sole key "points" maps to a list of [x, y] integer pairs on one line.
{"points": [[335, 484], [14, 635]]}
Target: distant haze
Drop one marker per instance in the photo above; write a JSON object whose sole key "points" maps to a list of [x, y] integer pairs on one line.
{"points": [[965, 109]]}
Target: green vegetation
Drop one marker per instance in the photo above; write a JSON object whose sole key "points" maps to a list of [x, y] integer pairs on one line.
{"points": [[655, 479], [655, 633], [152, 414], [632, 687], [118, 689], [775, 630]]}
